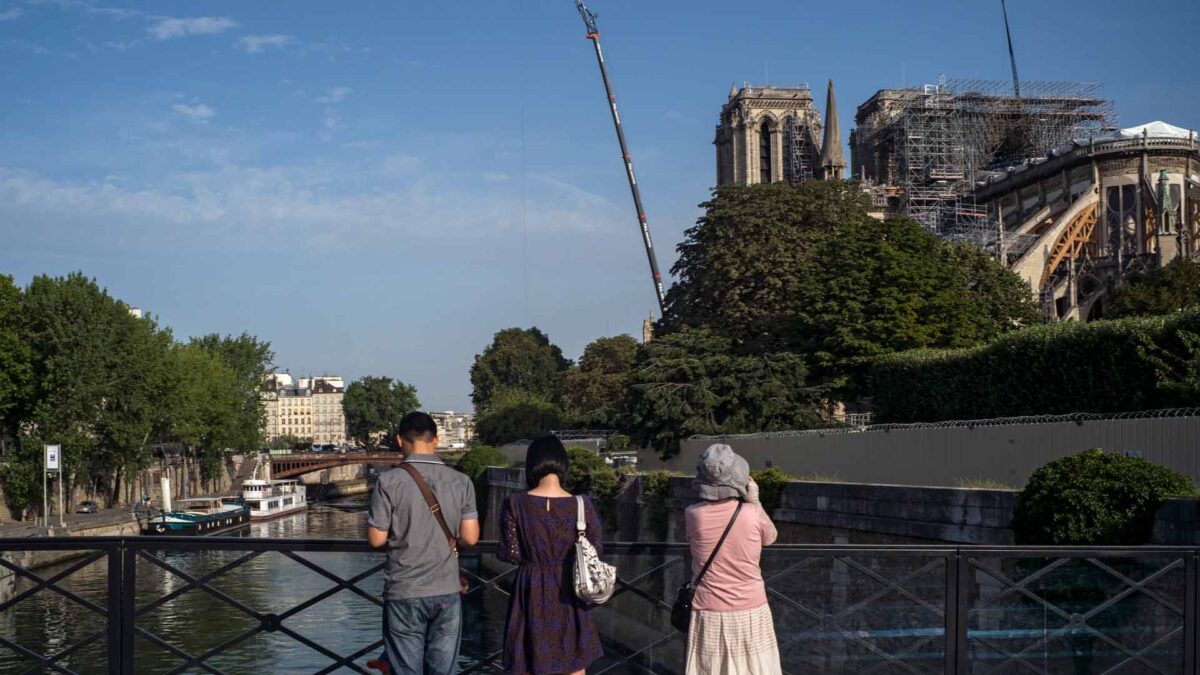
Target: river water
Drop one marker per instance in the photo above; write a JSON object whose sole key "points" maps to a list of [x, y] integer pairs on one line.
{"points": [[196, 621]]}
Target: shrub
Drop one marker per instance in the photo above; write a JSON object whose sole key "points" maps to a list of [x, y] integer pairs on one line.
{"points": [[1094, 498], [770, 486], [475, 463], [516, 415], [1103, 366], [591, 475]]}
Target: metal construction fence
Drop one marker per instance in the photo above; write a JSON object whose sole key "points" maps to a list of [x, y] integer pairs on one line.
{"points": [[220, 605]]}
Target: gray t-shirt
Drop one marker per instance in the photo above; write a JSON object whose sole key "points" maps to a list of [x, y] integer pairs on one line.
{"points": [[420, 564]]}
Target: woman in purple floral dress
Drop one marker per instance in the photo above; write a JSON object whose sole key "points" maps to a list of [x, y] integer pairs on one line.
{"points": [[548, 630]]}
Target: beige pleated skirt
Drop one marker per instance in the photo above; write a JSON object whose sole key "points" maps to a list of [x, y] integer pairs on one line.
{"points": [[733, 643]]}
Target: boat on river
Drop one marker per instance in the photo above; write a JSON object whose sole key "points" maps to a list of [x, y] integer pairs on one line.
{"points": [[199, 516], [269, 499]]}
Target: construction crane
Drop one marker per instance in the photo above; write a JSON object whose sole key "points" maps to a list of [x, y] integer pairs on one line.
{"points": [[1012, 57], [593, 34]]}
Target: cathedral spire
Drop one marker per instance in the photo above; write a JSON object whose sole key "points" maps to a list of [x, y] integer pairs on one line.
{"points": [[732, 91], [833, 161]]}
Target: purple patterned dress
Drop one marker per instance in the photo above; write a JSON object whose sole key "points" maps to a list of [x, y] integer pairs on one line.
{"points": [[548, 629]]}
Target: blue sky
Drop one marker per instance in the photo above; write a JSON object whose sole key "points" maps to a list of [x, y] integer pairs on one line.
{"points": [[376, 188]]}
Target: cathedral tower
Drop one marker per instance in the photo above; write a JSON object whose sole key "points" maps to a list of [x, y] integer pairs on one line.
{"points": [[768, 134]]}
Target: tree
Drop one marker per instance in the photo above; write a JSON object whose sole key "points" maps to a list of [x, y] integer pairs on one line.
{"points": [[206, 411], [15, 365], [374, 406], [250, 361], [1171, 288], [804, 268], [99, 376], [691, 382], [516, 415], [517, 359], [752, 253], [593, 391]]}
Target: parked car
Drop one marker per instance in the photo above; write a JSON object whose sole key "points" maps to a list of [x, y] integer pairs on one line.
{"points": [[88, 506]]}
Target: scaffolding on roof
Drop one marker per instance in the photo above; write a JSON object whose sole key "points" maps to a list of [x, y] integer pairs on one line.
{"points": [[929, 146]]}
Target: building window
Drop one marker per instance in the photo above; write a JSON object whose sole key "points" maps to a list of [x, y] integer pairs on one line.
{"points": [[764, 153]]}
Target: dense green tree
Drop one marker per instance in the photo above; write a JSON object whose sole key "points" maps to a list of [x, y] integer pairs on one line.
{"points": [[594, 390], [99, 377], [77, 369], [691, 382], [804, 268], [250, 360], [517, 358], [15, 362], [516, 414], [206, 405], [743, 266], [374, 406], [1173, 287]]}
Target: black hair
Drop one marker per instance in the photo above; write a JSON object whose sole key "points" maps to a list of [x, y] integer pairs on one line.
{"points": [[546, 455], [417, 426]]}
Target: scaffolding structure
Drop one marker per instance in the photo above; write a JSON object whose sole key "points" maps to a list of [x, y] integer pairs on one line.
{"points": [[927, 148], [801, 150]]}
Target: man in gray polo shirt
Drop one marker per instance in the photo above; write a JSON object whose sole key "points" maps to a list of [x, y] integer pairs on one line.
{"points": [[422, 612]]}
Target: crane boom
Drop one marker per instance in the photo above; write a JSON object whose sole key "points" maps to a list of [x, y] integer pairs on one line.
{"points": [[593, 34], [1012, 57]]}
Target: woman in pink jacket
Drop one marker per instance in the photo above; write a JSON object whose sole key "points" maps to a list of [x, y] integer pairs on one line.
{"points": [[731, 631]]}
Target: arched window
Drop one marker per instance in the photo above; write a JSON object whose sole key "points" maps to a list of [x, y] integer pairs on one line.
{"points": [[766, 162]]}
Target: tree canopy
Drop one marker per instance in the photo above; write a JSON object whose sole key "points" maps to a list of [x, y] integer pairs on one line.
{"points": [[517, 358], [805, 269], [593, 391], [691, 382], [516, 414], [374, 406], [1171, 288], [79, 370]]}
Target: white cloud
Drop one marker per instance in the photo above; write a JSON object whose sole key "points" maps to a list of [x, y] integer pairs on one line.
{"points": [[10, 14], [253, 44], [335, 95], [312, 206], [199, 113], [26, 45], [496, 177], [400, 164], [329, 120], [170, 27]]}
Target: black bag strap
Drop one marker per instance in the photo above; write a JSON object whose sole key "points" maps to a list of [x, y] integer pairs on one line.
{"points": [[713, 555], [432, 502]]}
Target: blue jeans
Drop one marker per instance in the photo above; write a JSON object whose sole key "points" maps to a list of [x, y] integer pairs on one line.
{"points": [[421, 636]]}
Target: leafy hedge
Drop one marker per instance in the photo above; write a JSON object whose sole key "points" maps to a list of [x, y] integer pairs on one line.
{"points": [[475, 463], [1094, 498], [1103, 366]]}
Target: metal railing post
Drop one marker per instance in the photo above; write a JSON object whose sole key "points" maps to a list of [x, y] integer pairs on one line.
{"points": [[115, 604], [1190, 607], [957, 607], [128, 604]]}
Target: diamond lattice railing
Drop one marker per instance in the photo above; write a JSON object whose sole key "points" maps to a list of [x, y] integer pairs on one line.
{"points": [[19, 585], [232, 605]]}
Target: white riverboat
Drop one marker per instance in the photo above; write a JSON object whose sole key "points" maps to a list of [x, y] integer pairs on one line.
{"points": [[273, 498]]}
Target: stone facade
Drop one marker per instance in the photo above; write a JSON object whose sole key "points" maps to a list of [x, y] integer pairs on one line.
{"points": [[768, 134], [307, 408]]}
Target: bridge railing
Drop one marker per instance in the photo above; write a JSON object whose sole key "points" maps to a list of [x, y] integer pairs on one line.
{"points": [[175, 605]]}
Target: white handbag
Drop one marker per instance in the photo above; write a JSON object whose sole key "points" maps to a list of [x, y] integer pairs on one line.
{"points": [[595, 580]]}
